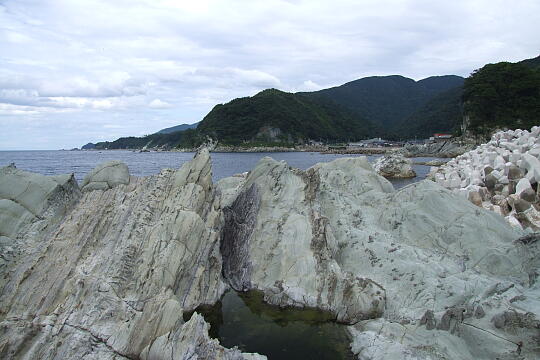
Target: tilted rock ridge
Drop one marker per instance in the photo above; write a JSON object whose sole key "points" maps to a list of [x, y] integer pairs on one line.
{"points": [[112, 278], [419, 273], [445, 149], [276, 240]]}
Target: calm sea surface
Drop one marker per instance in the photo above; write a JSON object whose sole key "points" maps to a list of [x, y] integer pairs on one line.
{"points": [[147, 163]]}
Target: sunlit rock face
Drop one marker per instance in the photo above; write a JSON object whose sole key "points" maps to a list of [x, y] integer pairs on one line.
{"points": [[419, 273]]}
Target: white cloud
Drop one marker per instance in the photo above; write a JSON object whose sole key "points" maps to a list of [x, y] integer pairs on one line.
{"points": [[309, 85], [16, 37], [124, 59], [158, 104]]}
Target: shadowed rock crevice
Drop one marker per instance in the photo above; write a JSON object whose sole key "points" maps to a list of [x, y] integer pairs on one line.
{"points": [[240, 220]]}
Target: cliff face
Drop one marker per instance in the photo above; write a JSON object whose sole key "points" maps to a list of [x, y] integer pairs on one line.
{"points": [[420, 273]]}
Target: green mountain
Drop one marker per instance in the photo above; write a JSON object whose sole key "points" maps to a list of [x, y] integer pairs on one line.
{"points": [[502, 95], [387, 101], [533, 63], [166, 138], [177, 128], [275, 116], [442, 114]]}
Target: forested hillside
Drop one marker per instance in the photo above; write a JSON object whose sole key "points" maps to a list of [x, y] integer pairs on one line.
{"points": [[502, 95], [387, 101], [277, 116]]}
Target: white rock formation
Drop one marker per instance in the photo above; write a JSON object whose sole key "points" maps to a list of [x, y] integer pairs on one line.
{"points": [[276, 240], [25, 197], [394, 166], [420, 273], [508, 166]]}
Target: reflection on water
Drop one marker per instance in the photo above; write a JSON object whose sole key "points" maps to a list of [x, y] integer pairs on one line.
{"points": [[246, 321]]}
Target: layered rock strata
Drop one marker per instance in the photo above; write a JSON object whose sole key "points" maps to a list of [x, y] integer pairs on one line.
{"points": [[113, 276], [501, 175]]}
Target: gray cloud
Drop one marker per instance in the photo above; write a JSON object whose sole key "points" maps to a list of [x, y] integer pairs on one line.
{"points": [[76, 71]]}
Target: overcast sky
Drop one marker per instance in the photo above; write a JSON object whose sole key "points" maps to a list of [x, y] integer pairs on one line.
{"points": [[77, 71]]}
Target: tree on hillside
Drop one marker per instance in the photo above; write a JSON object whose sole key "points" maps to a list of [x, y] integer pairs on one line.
{"points": [[502, 95]]}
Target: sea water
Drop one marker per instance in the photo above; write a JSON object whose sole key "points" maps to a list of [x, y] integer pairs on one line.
{"points": [[148, 163]]}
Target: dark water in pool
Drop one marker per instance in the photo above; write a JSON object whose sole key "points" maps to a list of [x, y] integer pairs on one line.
{"points": [[244, 320], [148, 163]]}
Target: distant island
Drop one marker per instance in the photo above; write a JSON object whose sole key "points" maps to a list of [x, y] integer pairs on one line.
{"points": [[502, 95]]}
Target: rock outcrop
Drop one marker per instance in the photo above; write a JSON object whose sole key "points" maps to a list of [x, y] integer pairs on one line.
{"points": [[419, 273], [276, 240], [444, 266], [106, 176], [443, 149], [113, 277], [501, 176], [394, 166]]}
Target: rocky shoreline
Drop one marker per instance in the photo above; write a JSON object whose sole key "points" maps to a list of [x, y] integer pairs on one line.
{"points": [[443, 149], [449, 150], [363, 151], [107, 272]]}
